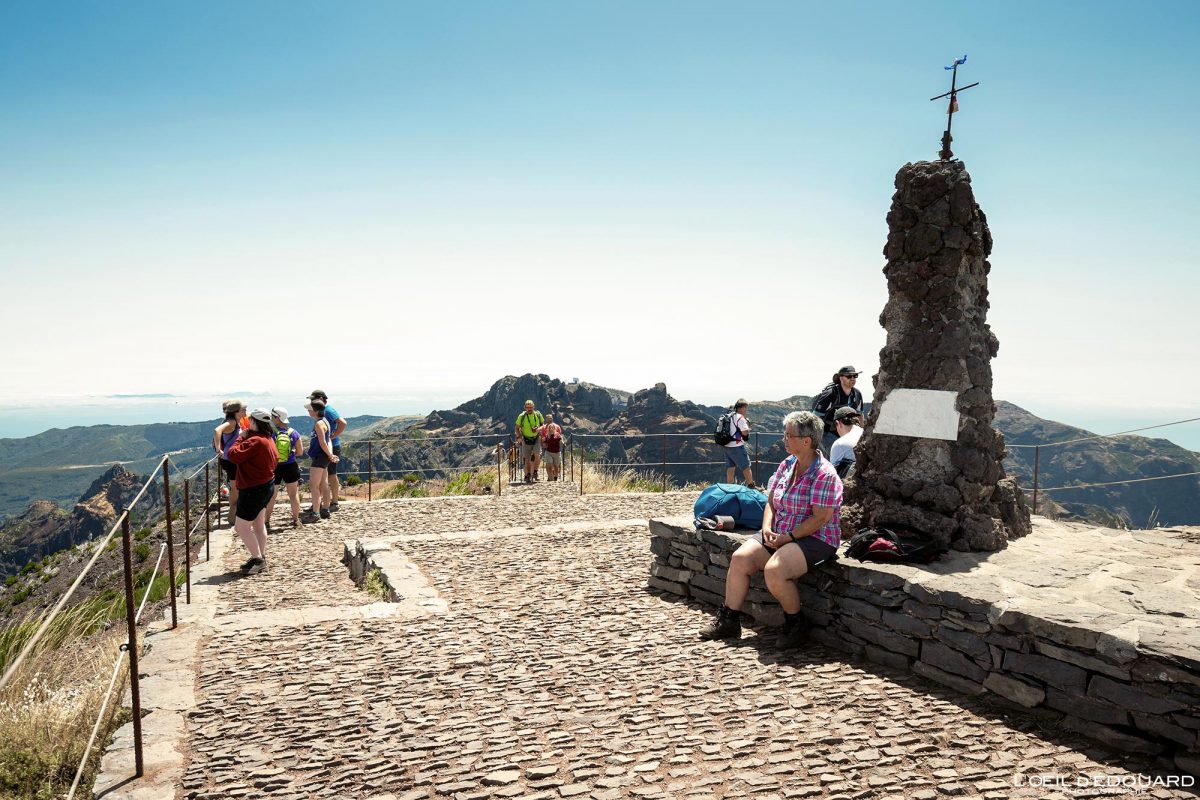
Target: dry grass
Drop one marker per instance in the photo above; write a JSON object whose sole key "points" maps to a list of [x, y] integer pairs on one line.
{"points": [[48, 709], [599, 479]]}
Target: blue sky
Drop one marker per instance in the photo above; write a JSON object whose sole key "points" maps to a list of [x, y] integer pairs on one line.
{"points": [[415, 199]]}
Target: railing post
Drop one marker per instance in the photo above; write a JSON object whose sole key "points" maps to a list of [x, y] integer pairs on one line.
{"points": [[1036, 448], [664, 463], [170, 539], [756, 458], [207, 503], [499, 476], [370, 475], [572, 458], [187, 538], [131, 643], [582, 456]]}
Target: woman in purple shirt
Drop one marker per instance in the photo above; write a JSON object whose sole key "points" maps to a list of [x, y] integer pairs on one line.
{"points": [[801, 528]]}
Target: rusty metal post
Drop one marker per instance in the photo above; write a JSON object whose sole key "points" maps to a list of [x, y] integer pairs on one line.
{"points": [[370, 474], [572, 457], [135, 692], [1036, 449], [756, 458], [664, 463], [170, 540], [582, 456], [499, 470], [187, 538], [207, 503]]}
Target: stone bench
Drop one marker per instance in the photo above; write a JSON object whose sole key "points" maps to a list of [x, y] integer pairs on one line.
{"points": [[980, 624]]}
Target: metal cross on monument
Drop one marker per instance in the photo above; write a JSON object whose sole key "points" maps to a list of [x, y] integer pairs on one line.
{"points": [[946, 153]]}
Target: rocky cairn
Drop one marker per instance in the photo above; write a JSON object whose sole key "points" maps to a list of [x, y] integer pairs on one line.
{"points": [[938, 338]]}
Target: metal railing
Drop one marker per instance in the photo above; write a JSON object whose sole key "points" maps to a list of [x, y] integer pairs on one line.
{"points": [[129, 648]]}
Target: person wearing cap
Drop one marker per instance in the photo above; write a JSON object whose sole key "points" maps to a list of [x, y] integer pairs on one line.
{"points": [[287, 470], [551, 435], [839, 393], [801, 528], [320, 449], [337, 426], [224, 435], [736, 456], [255, 455], [848, 423], [528, 423]]}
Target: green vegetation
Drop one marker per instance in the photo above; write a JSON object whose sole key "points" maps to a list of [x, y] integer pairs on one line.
{"points": [[473, 482], [353, 480], [141, 551], [408, 486], [374, 585]]}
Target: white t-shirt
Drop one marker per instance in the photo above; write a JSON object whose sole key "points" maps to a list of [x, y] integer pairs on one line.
{"points": [[738, 424], [844, 447]]}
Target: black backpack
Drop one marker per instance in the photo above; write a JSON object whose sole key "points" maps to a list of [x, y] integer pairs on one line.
{"points": [[721, 434], [894, 544]]}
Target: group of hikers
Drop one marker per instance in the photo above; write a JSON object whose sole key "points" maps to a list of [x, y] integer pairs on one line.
{"points": [[259, 451]]}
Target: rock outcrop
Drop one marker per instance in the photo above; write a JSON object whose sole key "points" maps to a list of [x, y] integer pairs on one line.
{"points": [[938, 338]]}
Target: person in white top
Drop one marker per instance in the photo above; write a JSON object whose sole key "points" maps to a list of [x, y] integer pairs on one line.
{"points": [[848, 423], [735, 451]]}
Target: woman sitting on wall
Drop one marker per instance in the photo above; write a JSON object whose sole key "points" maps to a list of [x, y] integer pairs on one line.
{"points": [[801, 528]]}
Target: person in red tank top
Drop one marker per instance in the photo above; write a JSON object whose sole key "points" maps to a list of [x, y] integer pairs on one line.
{"points": [[551, 435]]}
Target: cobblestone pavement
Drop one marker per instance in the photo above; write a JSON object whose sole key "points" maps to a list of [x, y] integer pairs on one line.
{"points": [[555, 673]]}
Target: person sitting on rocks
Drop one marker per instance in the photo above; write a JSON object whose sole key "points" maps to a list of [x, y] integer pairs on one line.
{"points": [[839, 393], [528, 422], [552, 437], [801, 528], [849, 430]]}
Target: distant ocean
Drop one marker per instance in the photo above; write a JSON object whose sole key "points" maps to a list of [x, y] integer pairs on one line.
{"points": [[27, 420]]}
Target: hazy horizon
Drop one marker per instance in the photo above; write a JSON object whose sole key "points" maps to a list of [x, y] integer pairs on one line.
{"points": [[28, 420]]}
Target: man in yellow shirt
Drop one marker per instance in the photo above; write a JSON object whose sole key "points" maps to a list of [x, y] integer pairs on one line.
{"points": [[528, 422]]}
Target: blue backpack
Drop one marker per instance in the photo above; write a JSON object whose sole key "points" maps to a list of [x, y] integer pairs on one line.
{"points": [[742, 503]]}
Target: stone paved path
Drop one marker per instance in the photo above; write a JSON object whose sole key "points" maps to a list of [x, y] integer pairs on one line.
{"points": [[555, 673]]}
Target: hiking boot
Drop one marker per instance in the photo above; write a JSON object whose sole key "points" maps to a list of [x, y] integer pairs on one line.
{"points": [[246, 566], [296, 522], [324, 512], [256, 565], [794, 632], [333, 506], [727, 625], [528, 479], [309, 517]]}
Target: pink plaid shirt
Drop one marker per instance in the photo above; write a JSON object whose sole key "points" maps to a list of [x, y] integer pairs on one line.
{"points": [[818, 486]]}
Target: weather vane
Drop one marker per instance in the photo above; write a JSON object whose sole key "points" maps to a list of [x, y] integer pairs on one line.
{"points": [[946, 153]]}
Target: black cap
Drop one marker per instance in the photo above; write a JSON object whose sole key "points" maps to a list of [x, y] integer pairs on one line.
{"points": [[317, 394], [848, 371], [845, 412]]}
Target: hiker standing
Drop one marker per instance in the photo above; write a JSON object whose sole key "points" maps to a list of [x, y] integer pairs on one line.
{"points": [[287, 471], [801, 528], [735, 450], [254, 453], [528, 422], [551, 436], [848, 423], [224, 436], [320, 449], [839, 393], [337, 426]]}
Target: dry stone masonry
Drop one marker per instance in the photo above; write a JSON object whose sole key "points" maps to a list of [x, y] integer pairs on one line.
{"points": [[1021, 635], [938, 339]]}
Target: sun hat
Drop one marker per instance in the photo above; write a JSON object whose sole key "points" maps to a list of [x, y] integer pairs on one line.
{"points": [[261, 414], [281, 412], [846, 412], [848, 371]]}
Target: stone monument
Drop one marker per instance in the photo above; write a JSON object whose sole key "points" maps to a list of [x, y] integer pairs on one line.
{"points": [[940, 345]]}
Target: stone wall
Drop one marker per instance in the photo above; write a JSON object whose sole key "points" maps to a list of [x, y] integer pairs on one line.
{"points": [[1087, 681]]}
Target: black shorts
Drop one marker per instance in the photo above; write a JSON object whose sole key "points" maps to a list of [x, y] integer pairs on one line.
{"points": [[337, 451], [815, 551], [229, 467], [253, 501], [320, 461], [287, 473]]}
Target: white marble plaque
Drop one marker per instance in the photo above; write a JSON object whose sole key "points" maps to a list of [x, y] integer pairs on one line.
{"points": [[923, 413]]}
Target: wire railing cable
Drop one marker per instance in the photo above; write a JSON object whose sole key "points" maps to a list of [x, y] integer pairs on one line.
{"points": [[1106, 435], [1118, 483]]}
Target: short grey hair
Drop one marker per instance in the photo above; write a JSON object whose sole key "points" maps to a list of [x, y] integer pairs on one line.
{"points": [[805, 423]]}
